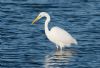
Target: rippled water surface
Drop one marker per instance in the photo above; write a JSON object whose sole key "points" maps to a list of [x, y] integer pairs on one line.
{"points": [[23, 45]]}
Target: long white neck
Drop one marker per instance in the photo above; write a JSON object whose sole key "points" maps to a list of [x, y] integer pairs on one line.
{"points": [[46, 24]]}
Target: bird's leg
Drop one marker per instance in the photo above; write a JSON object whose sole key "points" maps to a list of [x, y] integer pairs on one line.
{"points": [[61, 48], [57, 47]]}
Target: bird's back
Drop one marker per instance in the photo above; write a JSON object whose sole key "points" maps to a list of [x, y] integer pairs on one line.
{"points": [[62, 36]]}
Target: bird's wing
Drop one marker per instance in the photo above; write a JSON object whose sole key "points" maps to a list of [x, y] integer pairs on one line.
{"points": [[62, 35]]}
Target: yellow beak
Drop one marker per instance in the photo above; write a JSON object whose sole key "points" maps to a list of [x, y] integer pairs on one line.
{"points": [[36, 19]]}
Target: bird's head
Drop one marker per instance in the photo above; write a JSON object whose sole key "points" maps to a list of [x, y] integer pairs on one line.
{"points": [[42, 14]]}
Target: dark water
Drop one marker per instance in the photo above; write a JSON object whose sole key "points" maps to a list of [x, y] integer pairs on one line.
{"points": [[23, 45]]}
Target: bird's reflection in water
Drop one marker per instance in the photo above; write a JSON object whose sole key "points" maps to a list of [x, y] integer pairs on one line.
{"points": [[58, 59]]}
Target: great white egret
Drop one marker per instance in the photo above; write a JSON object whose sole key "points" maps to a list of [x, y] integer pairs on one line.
{"points": [[56, 35]]}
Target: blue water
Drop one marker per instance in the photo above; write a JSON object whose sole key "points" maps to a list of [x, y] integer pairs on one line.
{"points": [[23, 45]]}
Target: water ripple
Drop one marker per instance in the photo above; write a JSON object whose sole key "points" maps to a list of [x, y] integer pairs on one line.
{"points": [[23, 45]]}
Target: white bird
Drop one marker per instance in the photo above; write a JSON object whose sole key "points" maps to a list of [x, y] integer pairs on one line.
{"points": [[56, 35]]}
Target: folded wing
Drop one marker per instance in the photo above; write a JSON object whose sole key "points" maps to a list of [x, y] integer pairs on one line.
{"points": [[62, 36]]}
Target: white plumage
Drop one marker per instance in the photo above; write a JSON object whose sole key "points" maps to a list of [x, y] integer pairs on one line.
{"points": [[62, 37], [56, 35]]}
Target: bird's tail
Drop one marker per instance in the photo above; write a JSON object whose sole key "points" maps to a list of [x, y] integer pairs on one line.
{"points": [[75, 42]]}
